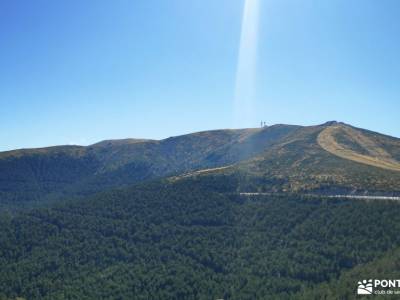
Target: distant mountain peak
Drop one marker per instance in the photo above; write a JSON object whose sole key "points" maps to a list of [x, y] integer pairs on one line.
{"points": [[333, 123]]}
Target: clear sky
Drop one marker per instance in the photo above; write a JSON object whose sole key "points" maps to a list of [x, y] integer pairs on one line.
{"points": [[77, 72]]}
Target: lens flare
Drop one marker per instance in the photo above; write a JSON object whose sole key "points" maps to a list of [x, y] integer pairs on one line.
{"points": [[245, 90]]}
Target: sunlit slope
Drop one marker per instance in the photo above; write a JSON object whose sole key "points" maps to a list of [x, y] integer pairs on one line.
{"points": [[361, 146], [298, 163]]}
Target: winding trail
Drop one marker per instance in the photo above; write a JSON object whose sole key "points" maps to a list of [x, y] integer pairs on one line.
{"points": [[377, 156]]}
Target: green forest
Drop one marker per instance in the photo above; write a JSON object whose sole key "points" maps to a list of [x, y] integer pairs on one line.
{"points": [[189, 240], [173, 219]]}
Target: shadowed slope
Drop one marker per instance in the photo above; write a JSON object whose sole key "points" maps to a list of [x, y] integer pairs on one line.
{"points": [[385, 267], [31, 175]]}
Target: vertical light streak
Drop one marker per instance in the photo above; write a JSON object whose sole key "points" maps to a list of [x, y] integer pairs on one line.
{"points": [[245, 89]]}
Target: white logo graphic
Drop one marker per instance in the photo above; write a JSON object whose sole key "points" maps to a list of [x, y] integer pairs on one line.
{"points": [[365, 287]]}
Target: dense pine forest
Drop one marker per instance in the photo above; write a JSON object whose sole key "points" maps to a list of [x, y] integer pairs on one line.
{"points": [[189, 240], [226, 214], [199, 150]]}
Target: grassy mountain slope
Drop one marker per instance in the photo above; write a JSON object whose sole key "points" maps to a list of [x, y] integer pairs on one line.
{"points": [[35, 174], [330, 158], [298, 163], [193, 236], [370, 149]]}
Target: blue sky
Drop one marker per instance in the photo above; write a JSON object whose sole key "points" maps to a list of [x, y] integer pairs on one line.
{"points": [[77, 72]]}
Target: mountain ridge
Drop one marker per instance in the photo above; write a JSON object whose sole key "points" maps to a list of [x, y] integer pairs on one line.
{"points": [[283, 157], [170, 220], [298, 163]]}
